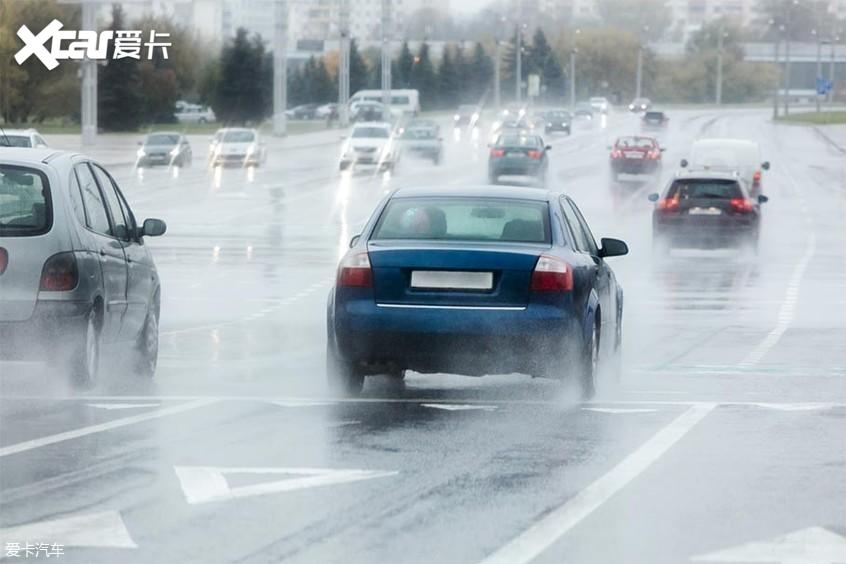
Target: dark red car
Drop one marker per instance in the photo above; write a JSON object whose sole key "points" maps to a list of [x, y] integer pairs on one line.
{"points": [[635, 155]]}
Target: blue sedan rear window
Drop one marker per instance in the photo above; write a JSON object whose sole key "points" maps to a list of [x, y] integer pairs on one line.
{"points": [[464, 219]]}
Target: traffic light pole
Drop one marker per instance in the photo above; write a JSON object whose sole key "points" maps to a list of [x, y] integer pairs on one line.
{"points": [[280, 68], [386, 59], [344, 64]]}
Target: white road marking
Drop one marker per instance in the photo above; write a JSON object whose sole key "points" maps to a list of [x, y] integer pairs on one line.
{"points": [[788, 306], [301, 403], [619, 410], [203, 484], [813, 545], [92, 429], [795, 407], [459, 406], [105, 529], [540, 536], [122, 405]]}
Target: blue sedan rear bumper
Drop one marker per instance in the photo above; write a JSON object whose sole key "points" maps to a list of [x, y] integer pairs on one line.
{"points": [[474, 341]]}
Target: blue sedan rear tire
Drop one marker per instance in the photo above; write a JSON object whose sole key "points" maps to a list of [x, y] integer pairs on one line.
{"points": [[342, 377]]}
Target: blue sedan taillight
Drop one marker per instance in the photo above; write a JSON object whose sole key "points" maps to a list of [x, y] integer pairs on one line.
{"points": [[552, 274], [355, 272]]}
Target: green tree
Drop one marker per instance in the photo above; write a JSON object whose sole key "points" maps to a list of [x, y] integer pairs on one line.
{"points": [[449, 81], [120, 97], [707, 39], [541, 60], [241, 92], [481, 71], [402, 67], [359, 70], [424, 78]]}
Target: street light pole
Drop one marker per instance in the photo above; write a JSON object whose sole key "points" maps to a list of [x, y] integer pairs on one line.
{"points": [[573, 50], [819, 68], [89, 82], [344, 63], [280, 68], [518, 80], [719, 95], [386, 59], [787, 56], [639, 78], [834, 41], [497, 76], [777, 82]]}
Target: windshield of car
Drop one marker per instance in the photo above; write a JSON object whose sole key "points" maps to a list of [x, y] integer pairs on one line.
{"points": [[163, 139], [370, 133], [239, 137], [464, 219], [15, 141], [654, 115], [716, 189], [25, 205], [420, 133], [635, 143], [516, 140], [557, 114]]}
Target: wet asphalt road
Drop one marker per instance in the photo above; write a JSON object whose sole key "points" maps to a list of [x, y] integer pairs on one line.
{"points": [[727, 428]]}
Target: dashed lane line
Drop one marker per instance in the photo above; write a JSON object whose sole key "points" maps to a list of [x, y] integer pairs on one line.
{"points": [[545, 532]]}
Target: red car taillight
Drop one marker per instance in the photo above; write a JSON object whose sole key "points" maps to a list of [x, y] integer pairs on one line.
{"points": [[4, 260], [497, 153], [668, 204], [756, 178], [535, 154], [59, 274], [742, 205], [616, 154], [653, 155], [552, 275], [354, 271]]}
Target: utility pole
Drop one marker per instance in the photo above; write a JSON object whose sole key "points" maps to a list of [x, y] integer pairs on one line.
{"points": [[344, 63], [518, 82], [573, 51], [819, 70], [386, 59], [777, 85], [639, 78], [280, 68], [720, 38], [787, 57], [834, 41], [89, 82], [497, 76]]}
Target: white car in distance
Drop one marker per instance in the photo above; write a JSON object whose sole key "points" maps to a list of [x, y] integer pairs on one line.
{"points": [[370, 144]]}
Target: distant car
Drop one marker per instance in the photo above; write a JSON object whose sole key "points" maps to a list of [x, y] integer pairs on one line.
{"points": [[75, 273], [640, 105], [467, 114], [237, 146], [706, 209], [477, 280], [326, 111], [558, 120], [367, 111], [635, 155], [164, 148], [729, 155], [193, 113], [518, 154], [583, 111], [370, 144], [302, 112], [21, 138], [600, 104], [654, 120], [422, 140]]}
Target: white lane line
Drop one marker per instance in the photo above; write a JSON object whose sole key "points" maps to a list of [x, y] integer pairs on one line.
{"points": [[104, 529], [122, 405], [618, 410], [92, 429], [540, 536], [459, 406], [787, 311]]}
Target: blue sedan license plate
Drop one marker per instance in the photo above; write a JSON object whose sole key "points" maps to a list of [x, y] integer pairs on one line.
{"points": [[451, 280]]}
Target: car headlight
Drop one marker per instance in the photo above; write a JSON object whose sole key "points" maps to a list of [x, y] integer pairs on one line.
{"points": [[174, 152], [456, 117], [475, 117], [141, 152]]}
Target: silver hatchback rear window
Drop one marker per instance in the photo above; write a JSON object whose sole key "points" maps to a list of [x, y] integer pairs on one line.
{"points": [[25, 204]]}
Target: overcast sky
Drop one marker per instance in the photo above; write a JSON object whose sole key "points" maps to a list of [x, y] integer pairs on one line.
{"points": [[463, 7]]}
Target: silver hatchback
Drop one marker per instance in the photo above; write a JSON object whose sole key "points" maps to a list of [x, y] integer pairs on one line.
{"points": [[75, 273]]}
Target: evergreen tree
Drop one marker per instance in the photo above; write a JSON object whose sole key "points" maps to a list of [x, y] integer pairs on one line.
{"points": [[402, 68], [462, 72], [481, 72], [120, 102], [323, 89], [241, 93], [449, 82], [424, 78], [359, 71], [541, 60]]}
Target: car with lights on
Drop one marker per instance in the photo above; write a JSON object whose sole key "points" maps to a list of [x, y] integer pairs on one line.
{"points": [[422, 140], [600, 104], [635, 155], [75, 272], [640, 105], [557, 121], [740, 156], [476, 280], [166, 148], [372, 145], [706, 209], [467, 115], [236, 146], [654, 119], [522, 154]]}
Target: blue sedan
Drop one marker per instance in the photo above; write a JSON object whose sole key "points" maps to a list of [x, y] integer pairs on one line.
{"points": [[474, 281]]}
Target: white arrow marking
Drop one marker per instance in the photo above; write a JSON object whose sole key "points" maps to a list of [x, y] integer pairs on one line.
{"points": [[203, 484], [105, 528], [301, 403], [813, 545], [459, 406], [122, 405], [617, 410], [795, 406]]}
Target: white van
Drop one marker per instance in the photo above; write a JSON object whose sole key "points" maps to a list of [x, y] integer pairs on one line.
{"points": [[740, 156], [404, 101]]}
